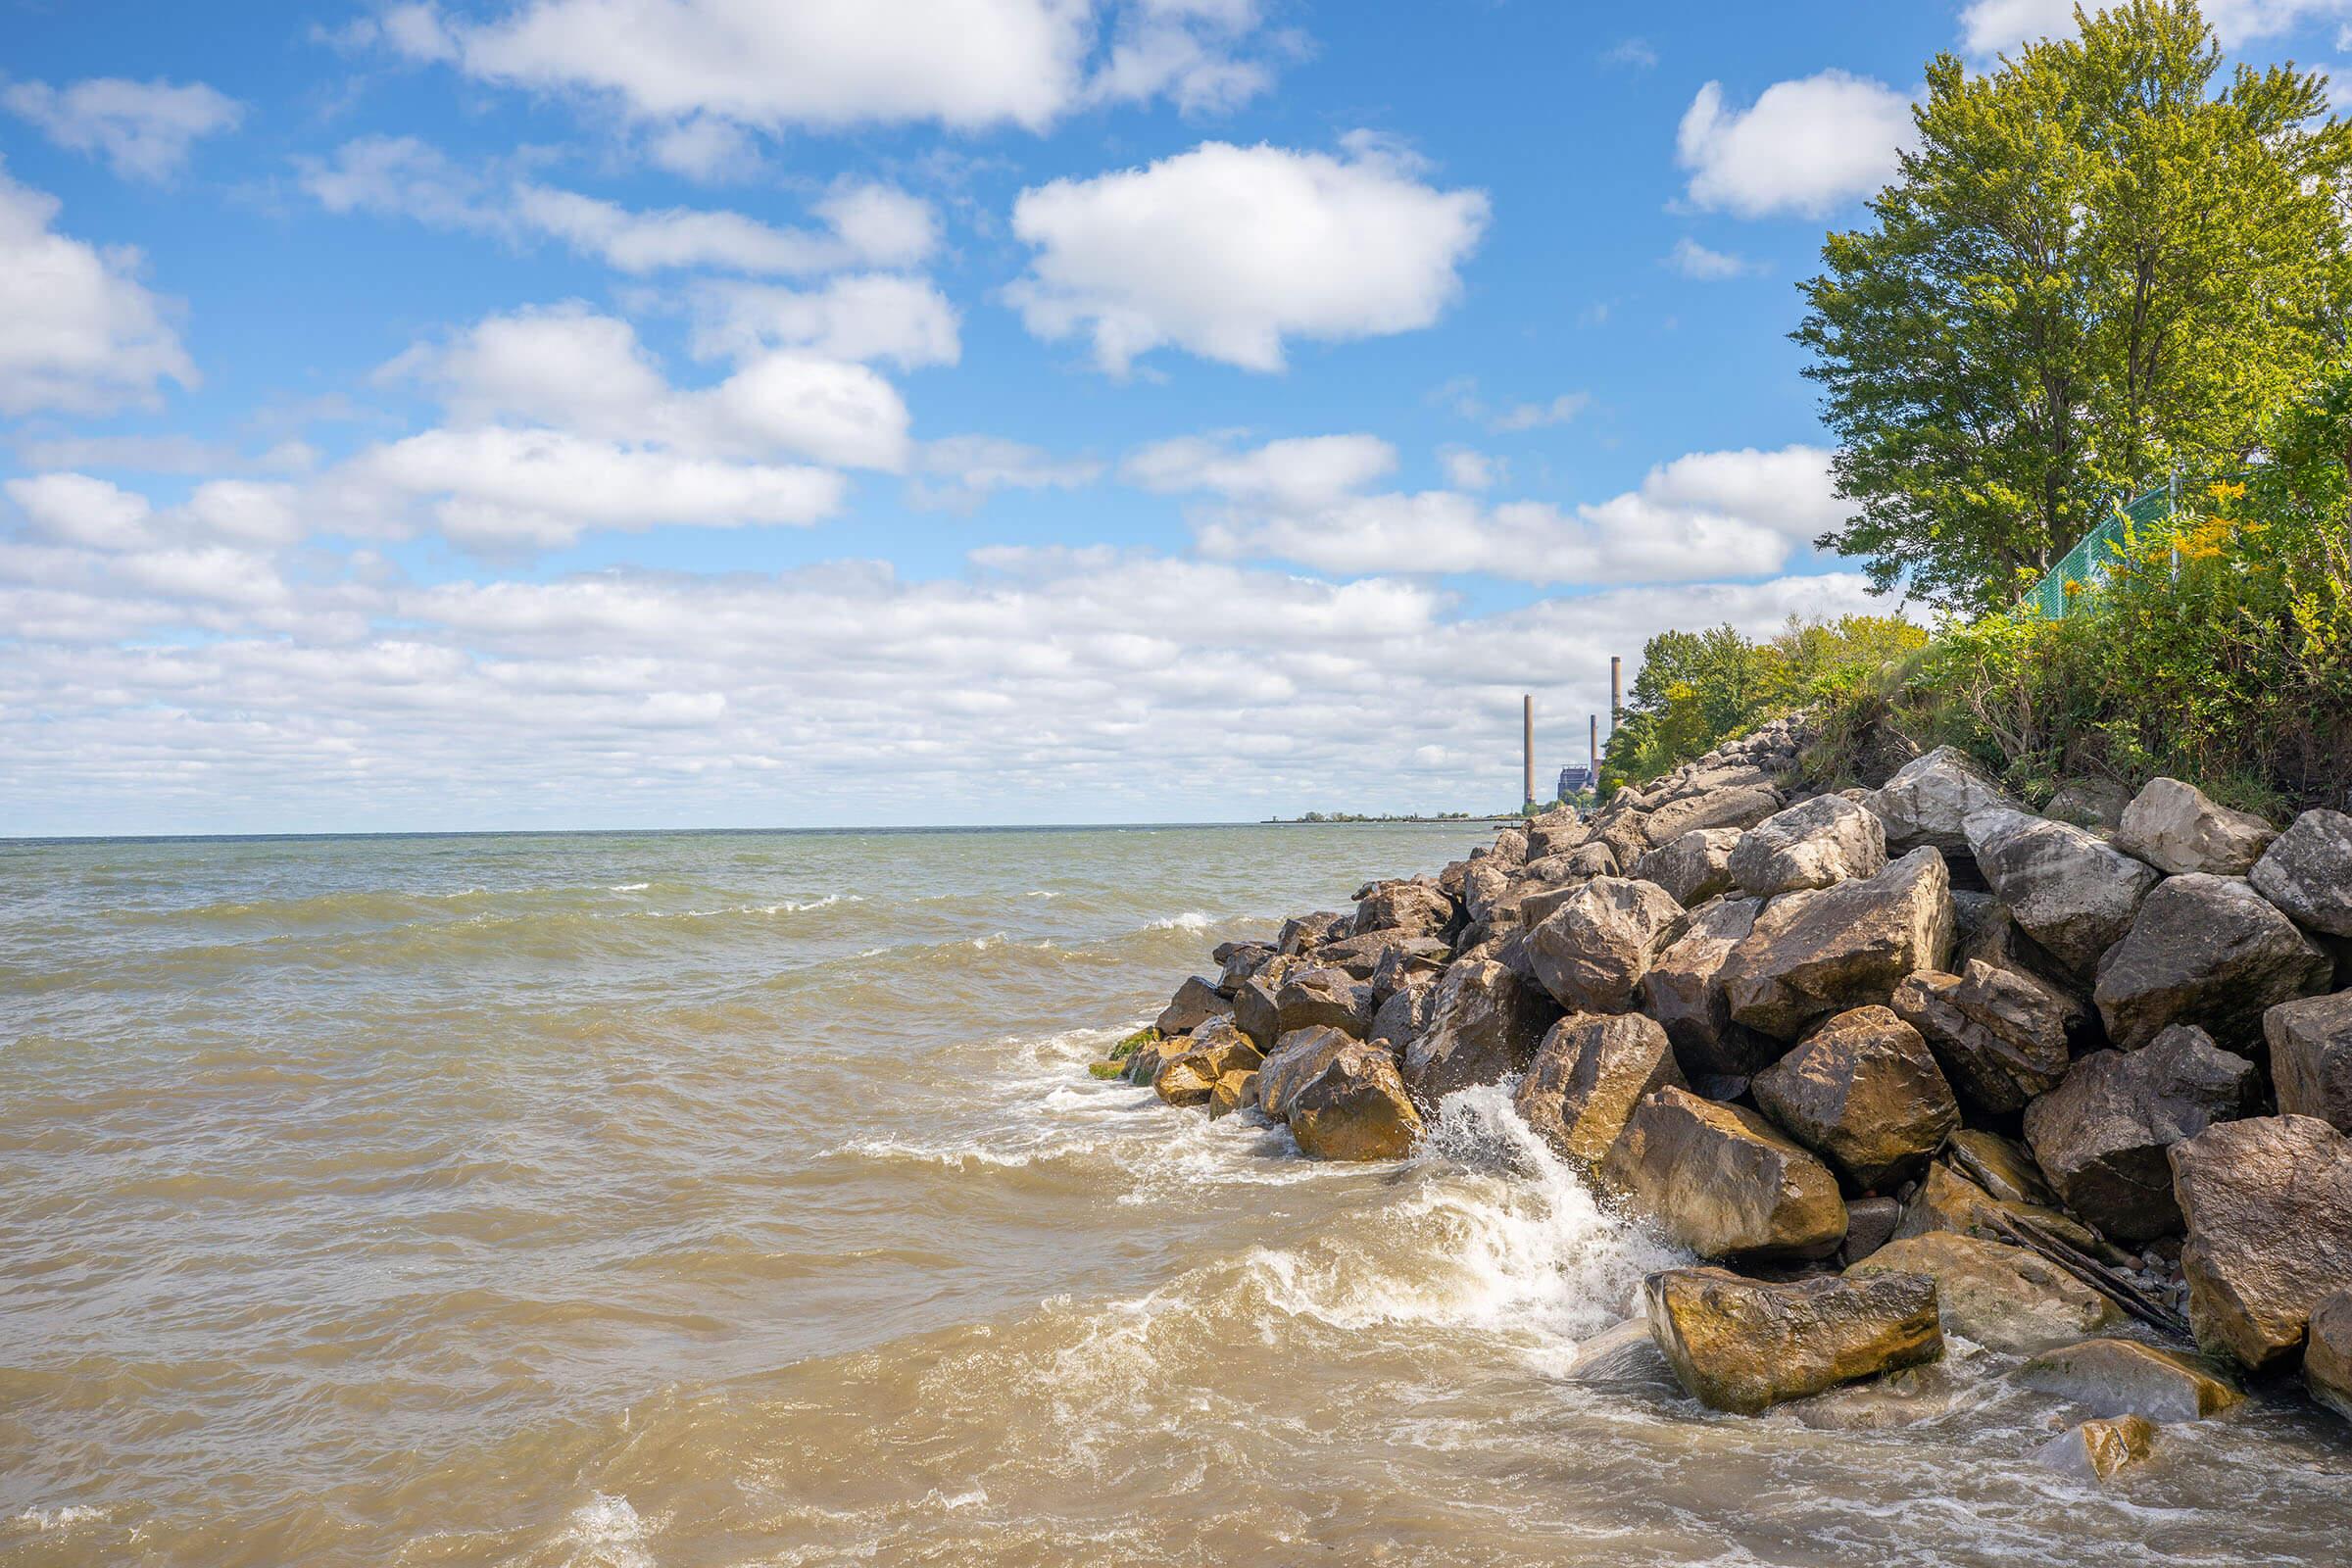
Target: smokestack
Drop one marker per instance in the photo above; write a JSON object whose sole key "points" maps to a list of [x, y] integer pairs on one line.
{"points": [[1616, 692], [1596, 774], [1527, 745]]}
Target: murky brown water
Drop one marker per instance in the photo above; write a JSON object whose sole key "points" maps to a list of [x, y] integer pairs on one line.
{"points": [[739, 1198]]}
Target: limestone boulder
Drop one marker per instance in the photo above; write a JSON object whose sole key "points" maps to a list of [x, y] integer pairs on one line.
{"points": [[1588, 1076], [2327, 1354], [1947, 1201], [2311, 1057], [2003, 1297], [2070, 892], [2174, 827], [1626, 833], [1816, 844], [1236, 1091], [1695, 868], [1556, 833], [1254, 1007], [2000, 1036], [2112, 1377], [1822, 952], [1863, 1093], [1510, 846], [2096, 1450], [1683, 990], [1305, 931], [1189, 1076], [2101, 1135], [2097, 803], [1320, 997], [1929, 802], [1584, 860], [1487, 887], [1724, 1181], [1403, 1015], [1483, 1022], [1416, 907], [1362, 956], [2208, 950], [1294, 1060], [1353, 1107], [2307, 871], [2268, 1202], [1408, 961], [1740, 806], [1744, 1344], [1240, 961], [1196, 1002], [1593, 949]]}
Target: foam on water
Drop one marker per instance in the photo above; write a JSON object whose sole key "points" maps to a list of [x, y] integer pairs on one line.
{"points": [[604, 1532]]}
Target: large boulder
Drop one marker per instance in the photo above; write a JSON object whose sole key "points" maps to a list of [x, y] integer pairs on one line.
{"points": [[1417, 908], [2092, 802], [1303, 931], [1254, 1005], [1588, 1076], [2269, 1207], [1402, 1018], [2095, 1450], [1361, 955], [1744, 1345], [1189, 1076], [2101, 1135], [2173, 826], [1928, 803], [1196, 1002], [1354, 1107], [1947, 1201], [1405, 961], [1294, 1060], [1683, 990], [2307, 871], [2208, 950], [1241, 960], [1487, 887], [1862, 1091], [2328, 1354], [2113, 1376], [2064, 887], [1483, 1022], [2000, 1036], [1818, 953], [1593, 949], [2311, 1057], [1695, 867], [2003, 1297], [1556, 833], [1724, 1181], [1817, 844], [1740, 806], [1626, 832], [1321, 997]]}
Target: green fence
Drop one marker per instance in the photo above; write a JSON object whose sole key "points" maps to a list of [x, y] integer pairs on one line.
{"points": [[2099, 549]]}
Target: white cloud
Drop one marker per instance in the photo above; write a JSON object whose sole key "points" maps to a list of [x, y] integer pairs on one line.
{"points": [[1694, 260], [1805, 146], [1991, 26], [1466, 469], [1536, 416], [866, 316], [1634, 53], [143, 129], [705, 148], [1226, 251], [78, 332], [957, 473], [1296, 473], [77, 509]]}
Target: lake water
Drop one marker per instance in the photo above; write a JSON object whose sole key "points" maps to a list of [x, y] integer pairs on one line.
{"points": [[733, 1199]]}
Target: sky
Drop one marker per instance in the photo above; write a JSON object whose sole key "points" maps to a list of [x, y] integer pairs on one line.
{"points": [[618, 414]]}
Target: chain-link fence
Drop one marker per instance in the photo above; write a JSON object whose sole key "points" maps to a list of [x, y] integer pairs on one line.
{"points": [[2091, 560]]}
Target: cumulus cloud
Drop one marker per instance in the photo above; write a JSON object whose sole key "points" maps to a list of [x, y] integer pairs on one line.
{"points": [[1804, 146], [1694, 260], [959, 472], [863, 317], [1296, 473], [1989, 26], [78, 332], [143, 129], [1469, 470], [1227, 252]]}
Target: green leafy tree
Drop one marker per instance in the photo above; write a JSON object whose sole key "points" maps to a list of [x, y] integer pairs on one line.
{"points": [[2101, 262]]}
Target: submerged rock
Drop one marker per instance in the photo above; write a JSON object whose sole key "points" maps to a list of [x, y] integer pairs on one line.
{"points": [[1589, 1074], [2000, 1037], [2311, 1057], [1818, 953], [1484, 1022], [1817, 844], [1354, 1107], [2328, 1357], [2002, 1297], [1863, 1093], [2174, 826], [1623, 1352], [2097, 1450], [2307, 871], [2269, 1207], [2208, 950], [1724, 1181], [1744, 1345], [1592, 952], [2113, 1376], [2068, 890]]}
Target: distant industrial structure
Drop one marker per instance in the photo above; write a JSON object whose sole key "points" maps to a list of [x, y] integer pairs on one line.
{"points": [[1574, 779]]}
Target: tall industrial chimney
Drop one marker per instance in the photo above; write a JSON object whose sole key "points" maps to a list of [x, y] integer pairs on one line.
{"points": [[1616, 692], [1527, 746], [1595, 773]]}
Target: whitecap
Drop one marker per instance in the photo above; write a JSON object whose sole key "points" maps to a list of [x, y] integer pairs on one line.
{"points": [[608, 1535], [1189, 921], [65, 1518]]}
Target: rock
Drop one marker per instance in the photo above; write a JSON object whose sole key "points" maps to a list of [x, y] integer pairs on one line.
{"points": [[1695, 867], [1816, 953], [1623, 1352], [1588, 1075], [2124, 1377], [1191, 1065], [2208, 950], [1744, 1345], [1822, 841], [1946, 1200], [1408, 961], [1928, 803], [1311, 997], [1724, 1181], [2096, 1450], [1592, 952], [1196, 1002], [2327, 1355], [1361, 955], [2073, 894], [1683, 990], [1302, 932], [2101, 1135], [2004, 1168], [1143, 1063], [1556, 833], [1253, 1007], [1863, 1093], [1241, 959], [2002, 1297], [2173, 826], [1740, 805], [1236, 1091], [2093, 803], [1296, 1057], [2311, 1057], [2000, 1037], [1415, 907], [1869, 1224], [1355, 1107], [1486, 887], [1509, 846], [1585, 860], [1626, 833], [1485, 1021], [1402, 1018], [2307, 871], [2269, 1207]]}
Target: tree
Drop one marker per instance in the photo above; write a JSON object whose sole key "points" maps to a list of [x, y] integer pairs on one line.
{"points": [[2094, 268]]}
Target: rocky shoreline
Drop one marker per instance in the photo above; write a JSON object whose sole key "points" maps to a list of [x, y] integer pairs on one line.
{"points": [[1893, 1063]]}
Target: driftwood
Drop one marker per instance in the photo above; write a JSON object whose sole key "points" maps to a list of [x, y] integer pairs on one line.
{"points": [[2095, 1274]]}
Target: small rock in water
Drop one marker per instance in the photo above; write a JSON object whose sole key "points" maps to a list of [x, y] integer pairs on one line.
{"points": [[2327, 1358], [2114, 1377], [2003, 1297], [1744, 1344], [2097, 1450]]}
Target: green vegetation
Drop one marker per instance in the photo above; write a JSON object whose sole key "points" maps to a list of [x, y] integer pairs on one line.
{"points": [[1128, 1046]]}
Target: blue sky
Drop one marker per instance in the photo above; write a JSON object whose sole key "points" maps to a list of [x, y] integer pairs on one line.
{"points": [[702, 413]]}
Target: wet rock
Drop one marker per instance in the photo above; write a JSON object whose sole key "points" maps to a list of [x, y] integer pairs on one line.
{"points": [[1818, 953], [2208, 950], [1294, 1058], [1624, 1352], [2124, 1377], [1741, 807], [1928, 803], [1863, 1093], [1869, 1224], [1724, 1181], [2307, 871], [2269, 1207], [2003, 1167], [1330, 998], [1353, 1107], [2173, 826], [2070, 892], [2002, 1297], [2096, 1450], [2327, 1354], [2311, 1057], [1196, 1002], [2000, 1037], [2101, 1135], [1744, 1345], [1236, 1091], [1305, 931], [2092, 802], [1822, 841], [1695, 867], [1592, 951], [1485, 1021], [1946, 1200], [1402, 1018], [1188, 1075], [1417, 908], [1683, 990], [1588, 1076]]}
